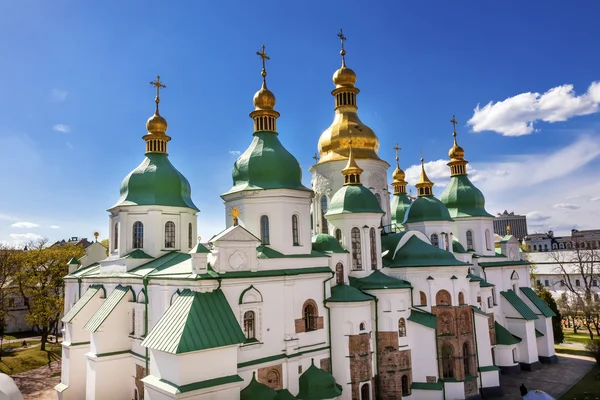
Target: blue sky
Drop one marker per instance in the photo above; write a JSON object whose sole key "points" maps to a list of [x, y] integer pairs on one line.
{"points": [[75, 95]]}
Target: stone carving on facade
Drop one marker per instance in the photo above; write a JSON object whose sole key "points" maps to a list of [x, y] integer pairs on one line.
{"points": [[446, 323], [320, 183]]}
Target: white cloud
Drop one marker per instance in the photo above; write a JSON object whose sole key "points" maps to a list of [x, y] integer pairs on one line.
{"points": [[536, 216], [58, 95], [6, 217], [234, 152], [25, 236], [595, 198], [24, 224], [61, 128], [516, 115], [567, 206], [54, 227]]}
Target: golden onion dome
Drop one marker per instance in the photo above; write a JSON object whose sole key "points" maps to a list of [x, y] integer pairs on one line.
{"points": [[344, 77], [456, 152], [398, 174], [156, 124], [264, 99]]}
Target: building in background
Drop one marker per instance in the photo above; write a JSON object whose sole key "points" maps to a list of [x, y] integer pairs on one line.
{"points": [[588, 239], [510, 223]]}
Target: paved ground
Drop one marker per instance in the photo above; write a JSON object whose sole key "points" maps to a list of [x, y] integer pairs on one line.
{"points": [[554, 379], [38, 384]]}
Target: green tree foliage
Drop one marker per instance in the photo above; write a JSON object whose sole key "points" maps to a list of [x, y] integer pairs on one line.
{"points": [[545, 295], [40, 282]]}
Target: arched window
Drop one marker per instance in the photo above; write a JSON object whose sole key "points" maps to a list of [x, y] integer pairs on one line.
{"points": [[447, 241], [442, 298], [273, 379], [554, 246], [295, 236], [423, 298], [356, 250], [461, 298], [435, 240], [561, 245], [447, 361], [535, 247], [170, 235], [310, 318], [361, 326], [116, 237], [469, 240], [546, 247], [487, 240], [405, 386], [339, 273], [138, 235], [323, 211], [466, 359], [190, 236], [338, 235], [373, 249], [264, 229], [365, 392], [249, 324], [401, 327]]}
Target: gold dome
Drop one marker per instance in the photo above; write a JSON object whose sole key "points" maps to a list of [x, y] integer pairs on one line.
{"points": [[398, 174], [334, 142], [156, 124], [344, 77], [456, 152], [264, 99]]}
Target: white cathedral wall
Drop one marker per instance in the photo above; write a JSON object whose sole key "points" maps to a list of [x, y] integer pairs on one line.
{"points": [[545, 344], [504, 355], [526, 331], [105, 377], [279, 205], [481, 227], [429, 228], [73, 371], [423, 343], [501, 277]]}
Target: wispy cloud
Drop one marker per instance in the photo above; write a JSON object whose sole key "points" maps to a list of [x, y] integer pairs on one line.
{"points": [[517, 115], [597, 198], [58, 95], [567, 206], [54, 227], [25, 225], [6, 217], [25, 236], [61, 128], [536, 216], [69, 145], [234, 152]]}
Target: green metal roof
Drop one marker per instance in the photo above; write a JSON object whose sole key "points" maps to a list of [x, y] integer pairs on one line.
{"points": [[195, 321], [379, 280], [463, 199], [504, 337], [317, 384], [389, 243], [457, 247], [485, 283], [138, 254], [538, 302], [519, 305], [423, 318], [478, 310], [538, 334], [347, 294], [417, 253], [474, 278], [400, 203], [199, 248], [351, 199], [266, 164], [257, 391], [503, 263], [427, 208], [171, 388], [78, 306], [109, 305], [325, 243], [73, 261], [284, 394], [439, 385], [156, 182], [267, 252]]}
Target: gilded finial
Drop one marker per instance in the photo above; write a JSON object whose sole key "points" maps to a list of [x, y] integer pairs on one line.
{"points": [[424, 185], [351, 171], [159, 85], [263, 55], [454, 122], [397, 148], [316, 158], [457, 164], [398, 183], [343, 51]]}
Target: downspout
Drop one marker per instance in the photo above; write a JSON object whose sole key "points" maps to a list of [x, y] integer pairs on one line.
{"points": [[79, 288], [328, 318], [476, 351], [377, 350], [437, 352], [145, 283]]}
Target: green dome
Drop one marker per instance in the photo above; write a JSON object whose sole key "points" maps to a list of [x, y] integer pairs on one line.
{"points": [[156, 182], [316, 384], [266, 164], [353, 199], [324, 243], [463, 199], [417, 253], [427, 208], [400, 203], [257, 391]]}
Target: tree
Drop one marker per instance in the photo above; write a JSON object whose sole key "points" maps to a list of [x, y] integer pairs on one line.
{"points": [[40, 282], [545, 295], [580, 270], [8, 269]]}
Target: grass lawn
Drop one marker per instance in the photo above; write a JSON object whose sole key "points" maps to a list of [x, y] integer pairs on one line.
{"points": [[588, 388], [25, 360], [582, 336], [569, 350]]}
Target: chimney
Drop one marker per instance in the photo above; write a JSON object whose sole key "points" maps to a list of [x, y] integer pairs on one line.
{"points": [[199, 255], [73, 264]]}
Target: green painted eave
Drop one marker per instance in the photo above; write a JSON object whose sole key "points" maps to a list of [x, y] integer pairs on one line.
{"points": [[538, 302], [504, 337], [268, 252], [111, 302], [519, 305], [427, 208], [463, 199], [538, 334], [503, 263], [172, 388], [347, 294], [266, 164], [353, 199], [379, 280], [195, 321], [156, 182], [423, 318], [324, 243], [427, 385], [317, 384], [416, 253], [400, 203], [478, 310], [82, 302]]}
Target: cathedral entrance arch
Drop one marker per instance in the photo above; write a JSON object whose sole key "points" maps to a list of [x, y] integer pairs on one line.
{"points": [[365, 392]]}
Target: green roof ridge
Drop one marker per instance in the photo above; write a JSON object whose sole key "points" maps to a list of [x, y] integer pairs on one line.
{"points": [[138, 254], [83, 300], [379, 280], [107, 307], [347, 294], [317, 384], [423, 318], [538, 302], [199, 249], [417, 253], [257, 391], [504, 337], [519, 305]]}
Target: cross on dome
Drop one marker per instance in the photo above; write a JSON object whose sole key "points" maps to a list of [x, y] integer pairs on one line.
{"points": [[342, 52], [454, 122], [159, 85], [263, 55]]}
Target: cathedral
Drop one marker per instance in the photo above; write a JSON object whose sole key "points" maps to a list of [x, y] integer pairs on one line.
{"points": [[339, 291]]}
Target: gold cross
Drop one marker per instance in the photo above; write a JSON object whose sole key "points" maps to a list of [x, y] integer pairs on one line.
{"points": [[397, 148], [454, 122], [159, 85], [342, 52], [263, 55], [316, 158]]}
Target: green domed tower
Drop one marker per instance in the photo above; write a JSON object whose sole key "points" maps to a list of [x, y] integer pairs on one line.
{"points": [[400, 201], [426, 208]]}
